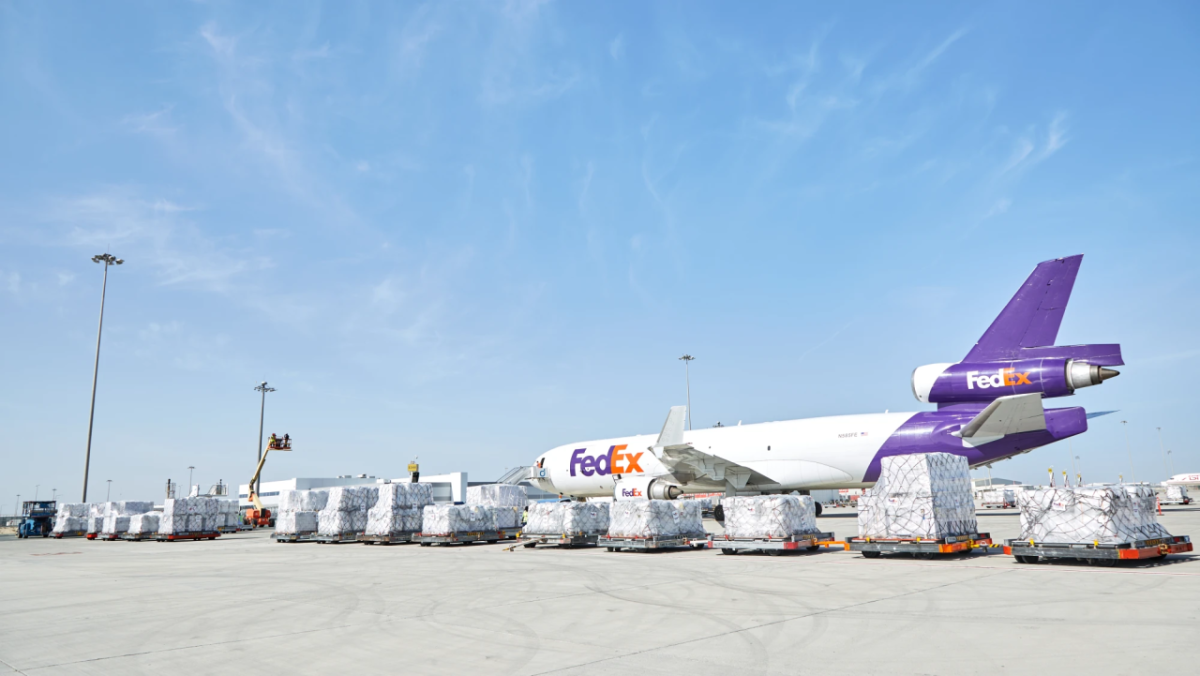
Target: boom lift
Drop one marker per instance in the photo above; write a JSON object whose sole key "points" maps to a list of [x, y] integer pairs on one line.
{"points": [[259, 515]]}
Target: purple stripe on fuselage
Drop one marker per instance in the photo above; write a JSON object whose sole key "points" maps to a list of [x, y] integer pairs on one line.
{"points": [[929, 432]]}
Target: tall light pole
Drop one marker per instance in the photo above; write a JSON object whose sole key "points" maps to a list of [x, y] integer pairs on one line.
{"points": [[17, 507], [1162, 449], [1172, 461], [190, 468], [1132, 474], [262, 387], [687, 359], [35, 491], [108, 493], [108, 260]]}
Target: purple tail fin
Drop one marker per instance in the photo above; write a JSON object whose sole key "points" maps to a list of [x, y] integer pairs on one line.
{"points": [[1032, 317]]}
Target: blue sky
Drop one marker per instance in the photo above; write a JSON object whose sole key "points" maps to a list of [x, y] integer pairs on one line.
{"points": [[470, 232]]}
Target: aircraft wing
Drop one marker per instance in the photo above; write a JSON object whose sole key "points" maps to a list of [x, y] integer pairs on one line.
{"points": [[689, 464], [1013, 414]]}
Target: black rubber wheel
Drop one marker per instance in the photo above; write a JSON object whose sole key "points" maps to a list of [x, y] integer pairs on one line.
{"points": [[1106, 563], [872, 555], [814, 548], [817, 508], [719, 514], [530, 545], [611, 549], [729, 551]]}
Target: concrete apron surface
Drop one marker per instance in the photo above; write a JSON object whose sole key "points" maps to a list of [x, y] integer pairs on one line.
{"points": [[246, 603]]}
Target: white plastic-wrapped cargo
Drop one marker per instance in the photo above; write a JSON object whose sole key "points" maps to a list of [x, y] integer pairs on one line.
{"points": [[449, 519], [296, 523], [144, 525], [644, 519], [346, 510], [689, 521], [497, 495], [71, 517], [1176, 494], [1108, 514], [128, 507], [919, 495], [545, 518], [769, 516], [393, 521], [115, 524], [570, 519]]}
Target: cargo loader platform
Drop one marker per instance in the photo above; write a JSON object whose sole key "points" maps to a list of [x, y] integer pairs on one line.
{"points": [[645, 544], [209, 535], [809, 542], [292, 537], [562, 540], [403, 537], [920, 547], [1096, 554], [468, 537]]}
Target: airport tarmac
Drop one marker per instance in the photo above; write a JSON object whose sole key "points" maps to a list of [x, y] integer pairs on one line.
{"points": [[244, 603]]}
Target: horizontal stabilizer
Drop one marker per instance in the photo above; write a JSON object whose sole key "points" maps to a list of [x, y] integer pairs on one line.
{"points": [[1007, 415], [1097, 414]]}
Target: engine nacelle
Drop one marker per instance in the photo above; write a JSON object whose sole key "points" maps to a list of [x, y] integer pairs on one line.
{"points": [[962, 383], [646, 488]]}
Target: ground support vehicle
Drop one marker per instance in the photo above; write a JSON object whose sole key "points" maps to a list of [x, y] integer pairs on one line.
{"points": [[808, 542], [293, 537], [562, 540], [37, 518], [922, 548], [1096, 554], [634, 543], [467, 537], [404, 537], [210, 535]]}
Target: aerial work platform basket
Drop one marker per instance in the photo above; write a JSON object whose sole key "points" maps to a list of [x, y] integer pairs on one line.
{"points": [[1095, 553], [920, 547]]}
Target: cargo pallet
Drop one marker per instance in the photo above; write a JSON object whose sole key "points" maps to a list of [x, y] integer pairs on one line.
{"points": [[69, 534], [468, 537], [209, 535], [561, 540], [924, 548], [403, 537], [104, 536], [292, 537], [134, 537], [809, 542], [1096, 554], [617, 543]]}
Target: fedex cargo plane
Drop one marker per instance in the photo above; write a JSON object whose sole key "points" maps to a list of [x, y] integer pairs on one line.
{"points": [[989, 407]]}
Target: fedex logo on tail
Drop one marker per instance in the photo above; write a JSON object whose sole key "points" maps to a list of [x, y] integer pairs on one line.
{"points": [[615, 461], [1002, 378]]}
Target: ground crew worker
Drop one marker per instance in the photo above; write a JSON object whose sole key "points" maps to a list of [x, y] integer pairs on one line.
{"points": [[272, 443]]}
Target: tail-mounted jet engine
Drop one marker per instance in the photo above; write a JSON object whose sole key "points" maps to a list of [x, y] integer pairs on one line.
{"points": [[974, 382]]}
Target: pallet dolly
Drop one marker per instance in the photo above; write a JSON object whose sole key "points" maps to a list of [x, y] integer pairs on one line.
{"points": [[468, 537], [809, 542], [292, 537], [339, 539], [178, 537], [562, 540], [872, 548], [646, 544], [1096, 554], [400, 538]]}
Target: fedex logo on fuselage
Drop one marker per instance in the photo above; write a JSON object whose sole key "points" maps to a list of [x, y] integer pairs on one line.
{"points": [[1001, 378], [631, 493], [616, 461]]}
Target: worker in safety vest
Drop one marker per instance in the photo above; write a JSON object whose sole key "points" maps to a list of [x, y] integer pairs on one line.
{"points": [[273, 442]]}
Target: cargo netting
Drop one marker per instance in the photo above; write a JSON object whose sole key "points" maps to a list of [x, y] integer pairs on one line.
{"points": [[769, 516], [919, 495], [1105, 514]]}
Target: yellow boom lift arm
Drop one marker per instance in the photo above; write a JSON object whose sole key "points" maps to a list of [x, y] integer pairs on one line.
{"points": [[253, 481]]}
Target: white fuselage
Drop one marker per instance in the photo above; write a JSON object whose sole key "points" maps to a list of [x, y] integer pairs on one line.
{"points": [[812, 453]]}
